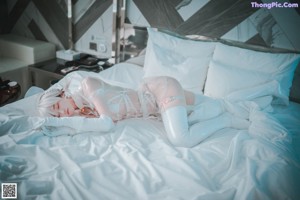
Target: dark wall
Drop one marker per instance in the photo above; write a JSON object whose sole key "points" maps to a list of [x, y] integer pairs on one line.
{"points": [[3, 16]]}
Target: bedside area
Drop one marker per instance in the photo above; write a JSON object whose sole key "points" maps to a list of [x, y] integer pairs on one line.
{"points": [[43, 74], [17, 53]]}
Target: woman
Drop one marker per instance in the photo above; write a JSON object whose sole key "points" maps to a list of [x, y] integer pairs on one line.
{"points": [[156, 96]]}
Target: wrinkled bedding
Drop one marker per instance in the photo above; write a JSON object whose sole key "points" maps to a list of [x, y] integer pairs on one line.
{"points": [[136, 161]]}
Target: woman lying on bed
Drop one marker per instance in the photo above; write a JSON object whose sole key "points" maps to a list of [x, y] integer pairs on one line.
{"points": [[164, 96]]}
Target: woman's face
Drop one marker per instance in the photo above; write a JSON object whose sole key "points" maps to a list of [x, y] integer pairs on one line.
{"points": [[65, 107]]}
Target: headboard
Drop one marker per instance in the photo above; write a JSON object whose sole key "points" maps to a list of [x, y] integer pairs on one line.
{"points": [[258, 25]]}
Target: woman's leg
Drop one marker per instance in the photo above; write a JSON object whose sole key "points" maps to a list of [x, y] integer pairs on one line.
{"points": [[181, 134], [172, 103]]}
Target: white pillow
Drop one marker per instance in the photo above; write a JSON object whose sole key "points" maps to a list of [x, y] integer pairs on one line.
{"points": [[124, 75], [236, 69], [181, 58]]}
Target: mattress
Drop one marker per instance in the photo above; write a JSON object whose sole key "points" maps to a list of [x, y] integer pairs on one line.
{"points": [[136, 161]]}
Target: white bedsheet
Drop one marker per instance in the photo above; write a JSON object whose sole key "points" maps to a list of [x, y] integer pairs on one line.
{"points": [[135, 161], [290, 117]]}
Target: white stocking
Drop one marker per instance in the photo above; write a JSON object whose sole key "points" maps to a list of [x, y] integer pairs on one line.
{"points": [[206, 108], [180, 134], [171, 99]]}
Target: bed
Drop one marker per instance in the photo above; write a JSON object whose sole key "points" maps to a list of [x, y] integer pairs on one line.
{"points": [[136, 161]]}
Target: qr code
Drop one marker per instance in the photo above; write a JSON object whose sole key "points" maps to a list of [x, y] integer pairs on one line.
{"points": [[9, 191]]}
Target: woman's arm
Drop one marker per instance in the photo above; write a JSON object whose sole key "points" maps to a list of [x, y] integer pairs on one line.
{"points": [[92, 88], [54, 126], [90, 85]]}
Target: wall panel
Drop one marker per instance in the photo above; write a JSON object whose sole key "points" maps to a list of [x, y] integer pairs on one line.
{"points": [[230, 19], [47, 20]]}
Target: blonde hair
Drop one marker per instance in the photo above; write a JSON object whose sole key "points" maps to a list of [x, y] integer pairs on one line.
{"points": [[47, 100]]}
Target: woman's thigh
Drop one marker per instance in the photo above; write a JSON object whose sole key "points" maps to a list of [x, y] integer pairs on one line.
{"points": [[167, 91]]}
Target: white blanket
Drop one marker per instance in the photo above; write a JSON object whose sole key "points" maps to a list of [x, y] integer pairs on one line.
{"points": [[136, 161]]}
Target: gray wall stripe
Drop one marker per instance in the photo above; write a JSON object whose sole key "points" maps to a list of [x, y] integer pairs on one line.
{"points": [[161, 14], [56, 18], [16, 13], [90, 16], [257, 40], [36, 31], [217, 17], [3, 17]]}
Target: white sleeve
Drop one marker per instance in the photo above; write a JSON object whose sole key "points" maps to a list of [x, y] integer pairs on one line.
{"points": [[54, 126]]}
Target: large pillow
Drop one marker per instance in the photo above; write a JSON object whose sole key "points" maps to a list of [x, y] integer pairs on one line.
{"points": [[181, 58], [124, 75], [234, 69]]}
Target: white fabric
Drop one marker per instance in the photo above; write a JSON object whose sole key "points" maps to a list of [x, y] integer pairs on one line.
{"points": [[123, 74], [181, 134], [139, 60], [234, 68], [116, 102], [232, 164], [290, 117], [33, 90], [76, 125], [183, 59], [258, 163], [127, 74]]}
